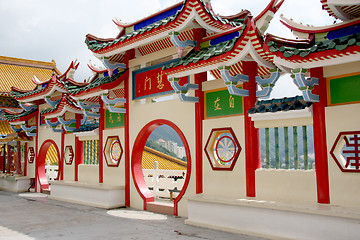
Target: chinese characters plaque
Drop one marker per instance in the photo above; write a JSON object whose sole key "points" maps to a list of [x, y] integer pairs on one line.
{"points": [[220, 103], [152, 81]]}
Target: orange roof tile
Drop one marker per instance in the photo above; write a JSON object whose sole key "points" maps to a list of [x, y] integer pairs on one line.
{"points": [[52, 155], [165, 162], [5, 128], [19, 72]]}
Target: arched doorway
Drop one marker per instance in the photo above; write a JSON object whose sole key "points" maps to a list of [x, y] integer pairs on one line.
{"points": [[136, 161], [48, 150]]}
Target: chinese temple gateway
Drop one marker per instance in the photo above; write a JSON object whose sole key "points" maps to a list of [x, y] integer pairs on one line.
{"points": [[284, 168]]}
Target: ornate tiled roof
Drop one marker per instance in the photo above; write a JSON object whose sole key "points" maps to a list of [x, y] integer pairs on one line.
{"points": [[13, 117], [204, 53], [19, 72], [228, 49], [161, 23], [165, 162], [5, 128], [66, 103], [8, 102], [282, 104], [52, 154], [97, 81], [87, 127], [303, 50], [42, 89], [343, 10]]}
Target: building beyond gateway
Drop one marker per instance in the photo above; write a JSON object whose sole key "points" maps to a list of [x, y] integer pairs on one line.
{"points": [[285, 168]]}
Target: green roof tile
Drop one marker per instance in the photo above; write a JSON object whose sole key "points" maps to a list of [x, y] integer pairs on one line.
{"points": [[12, 117], [282, 104], [72, 89], [339, 44]]}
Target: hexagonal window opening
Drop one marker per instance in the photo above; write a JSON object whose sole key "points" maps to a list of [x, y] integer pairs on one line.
{"points": [[346, 151], [69, 155], [31, 155], [113, 151], [222, 149]]}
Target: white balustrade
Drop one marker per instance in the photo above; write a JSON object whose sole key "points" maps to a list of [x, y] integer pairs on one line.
{"points": [[162, 182], [51, 171]]}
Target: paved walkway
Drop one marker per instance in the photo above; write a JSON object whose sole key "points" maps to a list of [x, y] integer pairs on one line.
{"points": [[29, 216]]}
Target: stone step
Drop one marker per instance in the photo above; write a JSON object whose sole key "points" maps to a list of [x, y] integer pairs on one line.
{"points": [[160, 207]]}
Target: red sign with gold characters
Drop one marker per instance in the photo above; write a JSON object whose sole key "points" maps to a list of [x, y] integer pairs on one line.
{"points": [[152, 81]]}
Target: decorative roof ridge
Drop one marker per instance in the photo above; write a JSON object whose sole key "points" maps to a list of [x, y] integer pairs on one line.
{"points": [[18, 90], [91, 37], [125, 25], [97, 81], [65, 99], [229, 31], [13, 112], [140, 34], [75, 83], [9, 116], [243, 14], [28, 63], [304, 43], [69, 73], [298, 27], [273, 6], [349, 43]]}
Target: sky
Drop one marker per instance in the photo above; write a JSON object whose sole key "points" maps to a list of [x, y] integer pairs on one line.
{"points": [[48, 30]]}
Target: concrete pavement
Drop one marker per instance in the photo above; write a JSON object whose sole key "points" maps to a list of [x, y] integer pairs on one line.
{"points": [[29, 216]]}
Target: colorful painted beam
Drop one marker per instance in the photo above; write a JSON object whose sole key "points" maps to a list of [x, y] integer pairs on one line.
{"points": [[181, 45], [181, 91], [268, 83], [232, 81], [110, 103], [305, 85]]}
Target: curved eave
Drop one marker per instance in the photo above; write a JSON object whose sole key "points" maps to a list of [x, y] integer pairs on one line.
{"points": [[318, 59], [193, 10], [148, 17], [63, 107], [22, 119], [334, 8], [47, 91], [249, 44], [297, 27], [96, 91], [273, 6]]}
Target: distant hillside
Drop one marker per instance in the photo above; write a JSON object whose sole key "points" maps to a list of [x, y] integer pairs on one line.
{"points": [[310, 137], [167, 133]]}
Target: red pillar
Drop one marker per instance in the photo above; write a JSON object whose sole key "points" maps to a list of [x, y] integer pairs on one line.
{"points": [[9, 159], [199, 117], [199, 34], [26, 159], [37, 149], [320, 145], [252, 142], [62, 156], [18, 158], [130, 54], [101, 128], [2, 159], [79, 148]]}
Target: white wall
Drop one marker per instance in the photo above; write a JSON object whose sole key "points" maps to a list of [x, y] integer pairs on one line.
{"points": [[344, 186]]}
